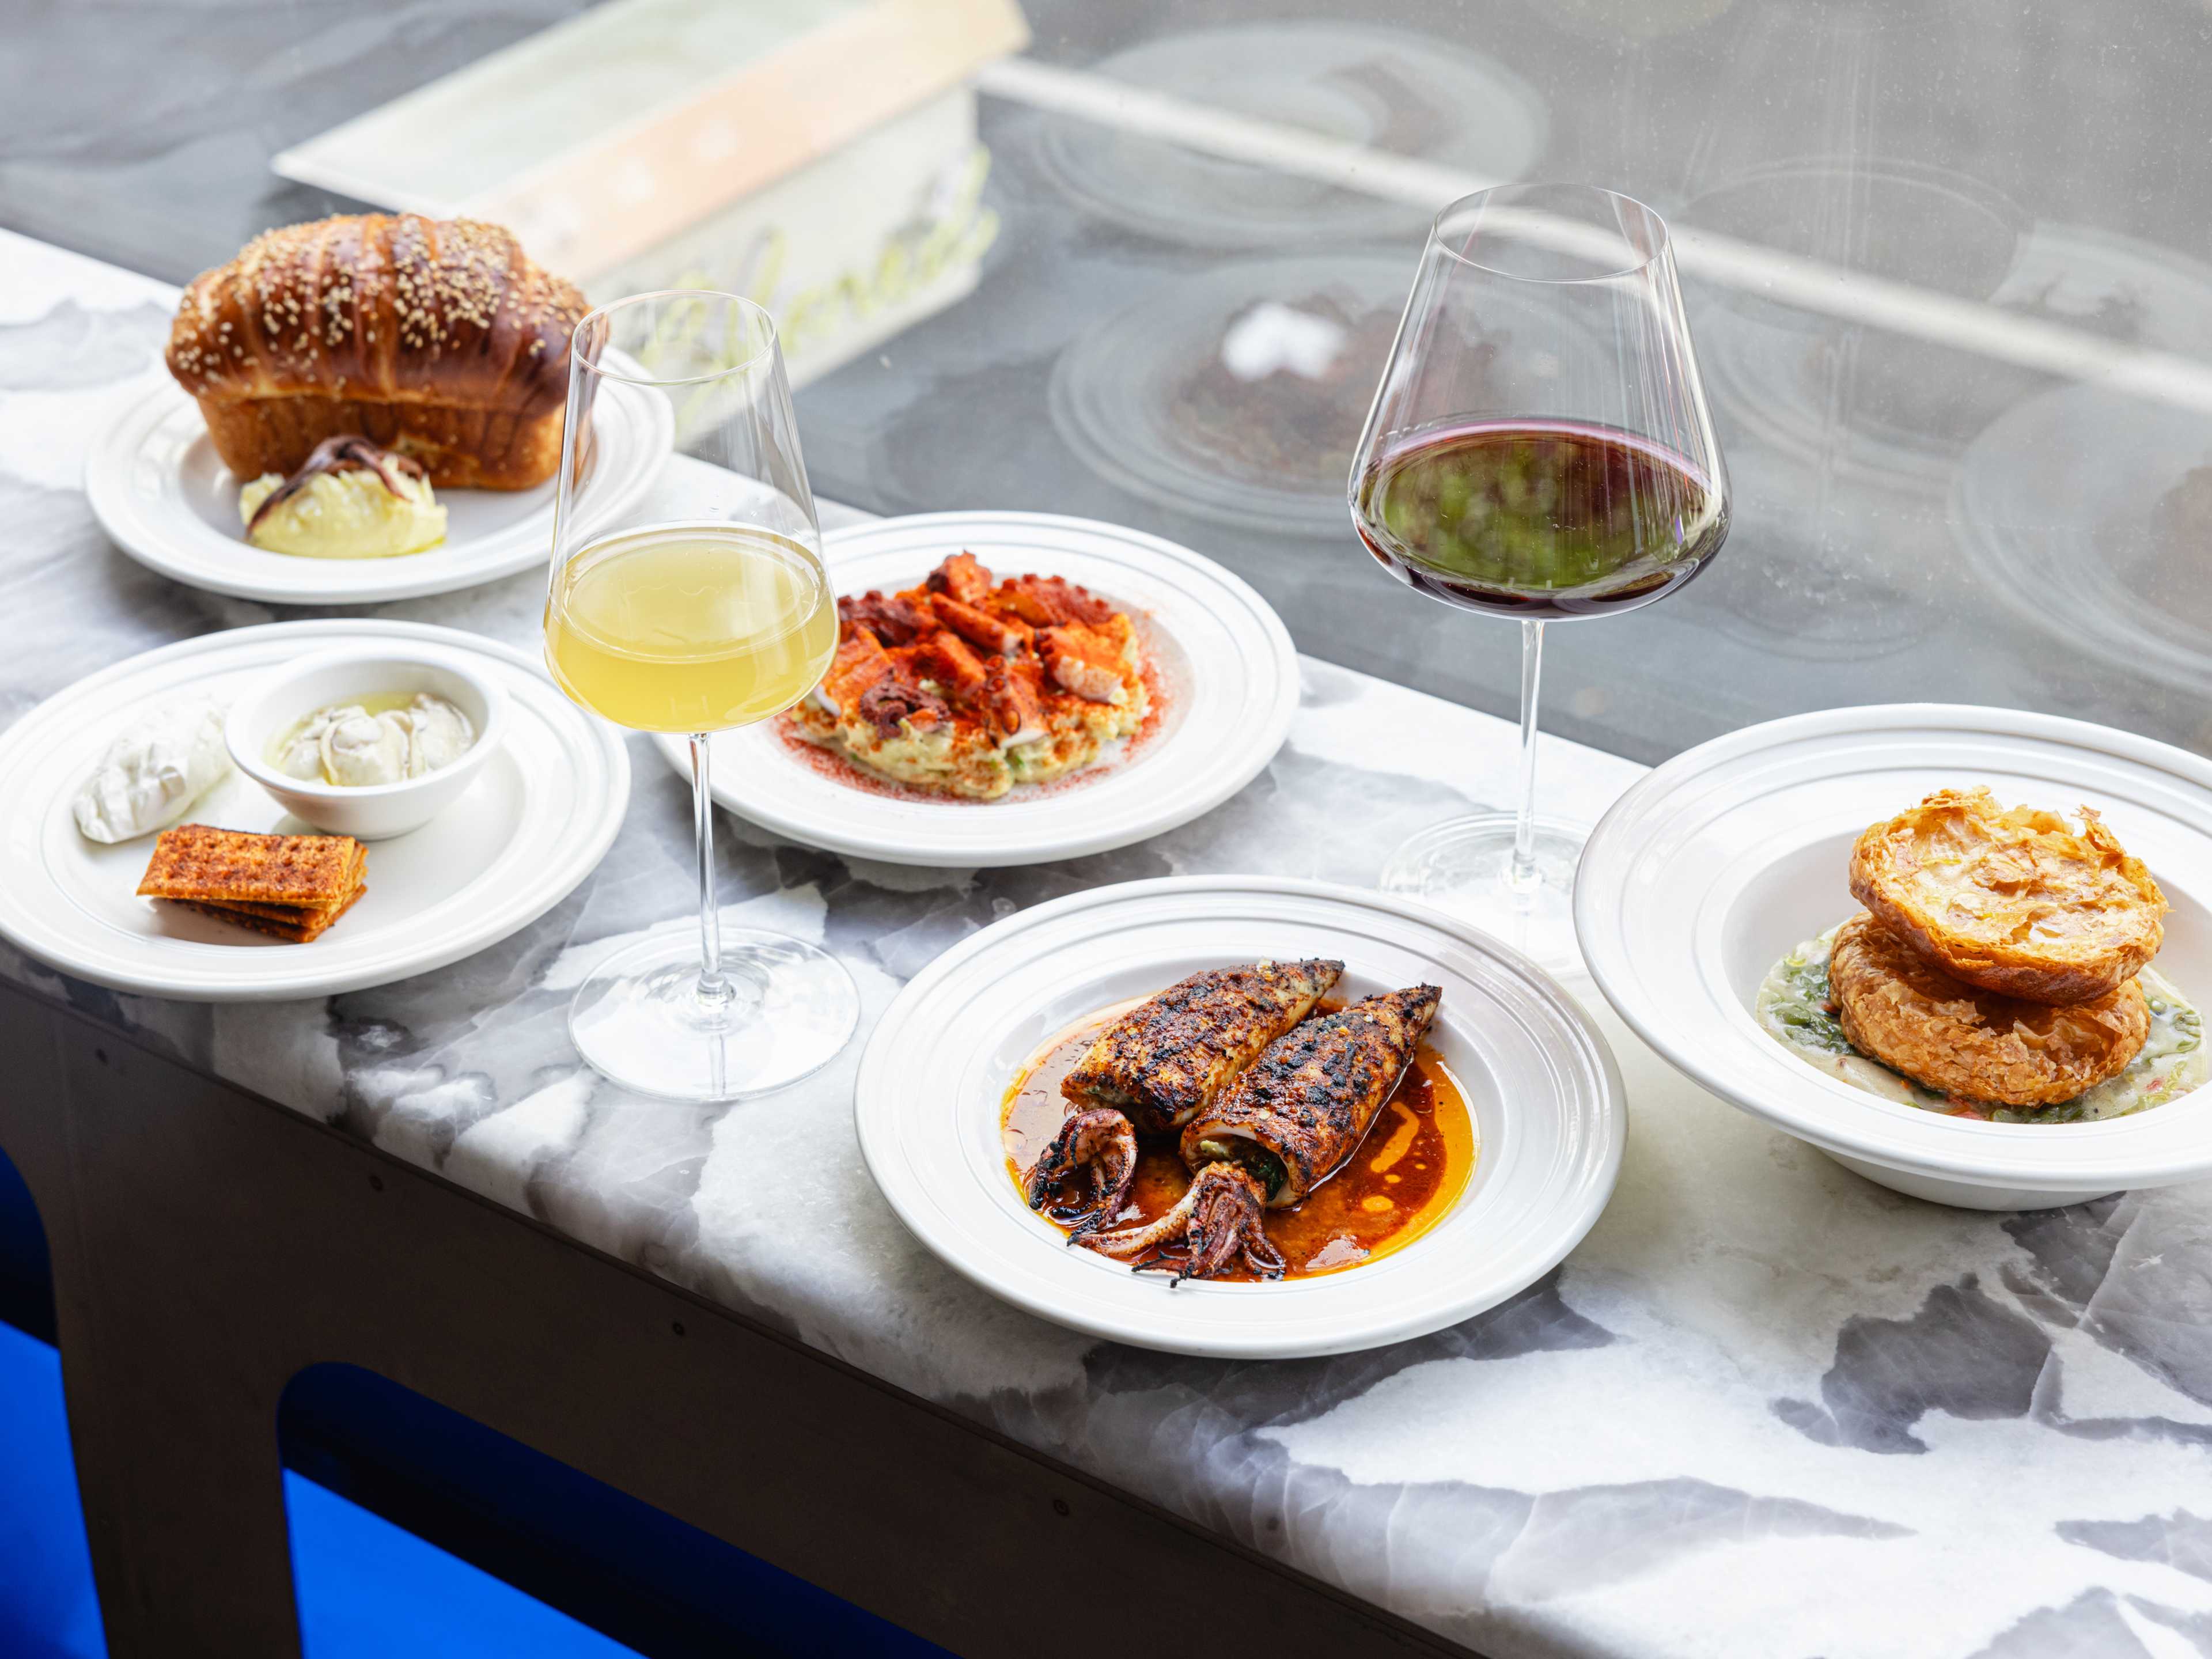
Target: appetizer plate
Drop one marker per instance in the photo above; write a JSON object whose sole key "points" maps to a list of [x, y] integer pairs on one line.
{"points": [[1713, 867], [164, 497], [1227, 668], [1539, 1082], [535, 822]]}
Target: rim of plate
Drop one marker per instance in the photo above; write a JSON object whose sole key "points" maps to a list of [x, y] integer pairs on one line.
{"points": [[1247, 703], [1653, 902], [931, 1081], [137, 495], [600, 762]]}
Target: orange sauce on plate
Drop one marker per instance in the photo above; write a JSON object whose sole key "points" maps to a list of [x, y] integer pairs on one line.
{"points": [[1400, 1181]]}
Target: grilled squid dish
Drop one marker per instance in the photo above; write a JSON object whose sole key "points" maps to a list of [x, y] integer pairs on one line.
{"points": [[1158, 1065], [1287, 1123], [1266, 1099]]}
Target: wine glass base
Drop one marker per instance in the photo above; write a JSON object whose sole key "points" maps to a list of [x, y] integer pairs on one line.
{"points": [[1463, 866], [640, 1021]]}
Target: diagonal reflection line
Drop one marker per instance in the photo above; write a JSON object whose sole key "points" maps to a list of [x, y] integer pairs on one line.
{"points": [[1812, 285]]}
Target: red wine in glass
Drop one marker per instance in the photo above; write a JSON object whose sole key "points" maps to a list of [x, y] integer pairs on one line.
{"points": [[1536, 519], [1539, 448]]}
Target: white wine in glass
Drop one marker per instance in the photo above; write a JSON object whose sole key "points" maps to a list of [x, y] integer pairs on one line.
{"points": [[719, 618], [690, 627]]}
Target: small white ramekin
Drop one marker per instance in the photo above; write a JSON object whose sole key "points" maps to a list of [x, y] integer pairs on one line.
{"points": [[277, 701]]}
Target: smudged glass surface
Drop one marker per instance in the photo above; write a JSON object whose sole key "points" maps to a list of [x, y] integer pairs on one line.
{"points": [[1954, 483]]}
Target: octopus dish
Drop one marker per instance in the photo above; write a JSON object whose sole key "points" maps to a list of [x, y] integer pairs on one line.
{"points": [[967, 685]]}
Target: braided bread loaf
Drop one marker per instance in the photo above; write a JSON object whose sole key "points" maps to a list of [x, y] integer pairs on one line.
{"points": [[439, 338]]}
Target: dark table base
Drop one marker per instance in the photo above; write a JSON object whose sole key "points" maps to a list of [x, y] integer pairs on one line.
{"points": [[207, 1245]]}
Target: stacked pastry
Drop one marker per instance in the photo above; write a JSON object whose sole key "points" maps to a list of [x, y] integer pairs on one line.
{"points": [[292, 887], [1998, 954]]}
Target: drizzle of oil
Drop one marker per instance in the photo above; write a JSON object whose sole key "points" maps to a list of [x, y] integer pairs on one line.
{"points": [[1399, 1182]]}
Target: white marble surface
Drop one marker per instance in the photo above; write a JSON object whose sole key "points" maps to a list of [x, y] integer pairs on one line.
{"points": [[1767, 1409]]}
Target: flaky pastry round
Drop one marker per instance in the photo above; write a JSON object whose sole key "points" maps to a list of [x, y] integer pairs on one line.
{"points": [[1910, 1015], [2017, 902]]}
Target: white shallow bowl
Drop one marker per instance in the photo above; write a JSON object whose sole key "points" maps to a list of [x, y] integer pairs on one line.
{"points": [[1540, 1081], [271, 708], [536, 821], [1712, 867], [1227, 669], [163, 495]]}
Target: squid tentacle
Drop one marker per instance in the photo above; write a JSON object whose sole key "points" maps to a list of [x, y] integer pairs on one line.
{"points": [[1220, 1216], [1099, 1141]]}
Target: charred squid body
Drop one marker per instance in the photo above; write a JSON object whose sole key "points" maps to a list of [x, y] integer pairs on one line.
{"points": [[1168, 1056], [1162, 1062], [1282, 1129]]}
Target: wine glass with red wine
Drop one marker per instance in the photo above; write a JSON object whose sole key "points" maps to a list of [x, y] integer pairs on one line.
{"points": [[1540, 448]]}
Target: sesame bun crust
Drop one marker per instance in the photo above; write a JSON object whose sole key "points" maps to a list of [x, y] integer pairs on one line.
{"points": [[439, 338]]}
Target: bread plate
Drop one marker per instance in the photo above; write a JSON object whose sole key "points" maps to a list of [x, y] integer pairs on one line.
{"points": [[164, 497], [1228, 685], [536, 820], [1539, 1081], [1717, 864]]}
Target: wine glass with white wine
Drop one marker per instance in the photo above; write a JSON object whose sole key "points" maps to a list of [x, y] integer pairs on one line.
{"points": [[717, 615]]}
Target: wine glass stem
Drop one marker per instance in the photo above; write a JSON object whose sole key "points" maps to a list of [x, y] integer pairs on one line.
{"points": [[713, 988], [1523, 876]]}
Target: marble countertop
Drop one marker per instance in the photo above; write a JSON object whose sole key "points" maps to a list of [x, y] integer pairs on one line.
{"points": [[1765, 1408]]}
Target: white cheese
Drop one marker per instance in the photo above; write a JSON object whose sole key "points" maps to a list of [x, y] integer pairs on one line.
{"points": [[361, 749], [151, 774], [437, 733], [348, 745]]}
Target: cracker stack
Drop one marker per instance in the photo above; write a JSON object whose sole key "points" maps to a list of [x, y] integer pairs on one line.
{"points": [[291, 887]]}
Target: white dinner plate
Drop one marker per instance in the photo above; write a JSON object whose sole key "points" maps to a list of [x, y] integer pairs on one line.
{"points": [[1226, 666], [1539, 1079], [1713, 867], [165, 497], [534, 824]]}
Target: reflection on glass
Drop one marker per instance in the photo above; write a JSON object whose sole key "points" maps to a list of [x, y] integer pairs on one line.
{"points": [[1237, 395], [1399, 92], [717, 617], [2086, 512], [1566, 469], [1861, 402]]}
